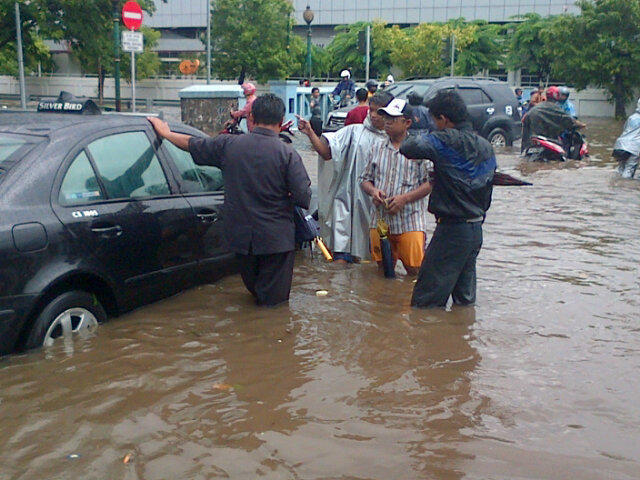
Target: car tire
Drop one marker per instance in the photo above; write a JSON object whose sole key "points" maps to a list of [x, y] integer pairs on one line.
{"points": [[74, 312], [499, 137]]}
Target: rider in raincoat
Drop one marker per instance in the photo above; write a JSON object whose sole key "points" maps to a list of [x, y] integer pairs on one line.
{"points": [[627, 148]]}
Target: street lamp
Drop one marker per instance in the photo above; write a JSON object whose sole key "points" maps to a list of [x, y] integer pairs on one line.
{"points": [[307, 15]]}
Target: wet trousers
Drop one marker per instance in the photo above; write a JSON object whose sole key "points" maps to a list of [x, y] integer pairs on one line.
{"points": [[267, 277], [627, 168], [449, 266]]}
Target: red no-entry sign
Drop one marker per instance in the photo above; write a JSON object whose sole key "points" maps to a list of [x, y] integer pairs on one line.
{"points": [[132, 15]]}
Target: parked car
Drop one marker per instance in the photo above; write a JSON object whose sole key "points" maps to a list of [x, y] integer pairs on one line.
{"points": [[493, 107], [98, 217]]}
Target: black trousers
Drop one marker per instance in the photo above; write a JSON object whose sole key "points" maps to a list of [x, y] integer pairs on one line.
{"points": [[449, 266], [267, 277]]}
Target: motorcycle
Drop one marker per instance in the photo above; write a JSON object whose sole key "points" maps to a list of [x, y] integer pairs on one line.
{"points": [[232, 127], [338, 101], [569, 146]]}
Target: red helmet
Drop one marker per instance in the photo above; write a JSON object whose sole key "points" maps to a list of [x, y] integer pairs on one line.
{"points": [[553, 93], [248, 88]]}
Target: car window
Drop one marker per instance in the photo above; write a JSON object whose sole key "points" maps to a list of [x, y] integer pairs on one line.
{"points": [[419, 89], [196, 178], [80, 184], [128, 166], [473, 96], [398, 89], [9, 145], [13, 148]]}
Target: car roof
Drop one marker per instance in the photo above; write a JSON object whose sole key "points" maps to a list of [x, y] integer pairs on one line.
{"points": [[54, 124]]}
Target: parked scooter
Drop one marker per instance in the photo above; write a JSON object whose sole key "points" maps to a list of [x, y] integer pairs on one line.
{"points": [[570, 146]]}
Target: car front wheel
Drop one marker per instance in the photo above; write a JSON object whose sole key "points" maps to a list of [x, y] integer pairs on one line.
{"points": [[498, 137], [69, 314]]}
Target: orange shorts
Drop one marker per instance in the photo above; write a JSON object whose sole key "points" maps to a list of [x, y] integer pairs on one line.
{"points": [[408, 247]]}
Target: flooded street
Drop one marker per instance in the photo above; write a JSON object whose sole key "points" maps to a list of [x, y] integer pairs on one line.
{"points": [[538, 381]]}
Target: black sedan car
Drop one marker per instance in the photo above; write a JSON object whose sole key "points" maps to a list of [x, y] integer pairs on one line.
{"points": [[98, 217]]}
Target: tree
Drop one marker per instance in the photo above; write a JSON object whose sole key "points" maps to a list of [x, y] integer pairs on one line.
{"points": [[486, 50], [528, 49], [421, 51], [88, 27], [250, 37], [344, 53], [320, 59], [610, 55], [34, 49]]}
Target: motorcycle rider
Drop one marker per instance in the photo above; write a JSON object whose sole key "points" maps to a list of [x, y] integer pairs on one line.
{"points": [[345, 89], [249, 90], [371, 86], [627, 147], [565, 103], [547, 119]]}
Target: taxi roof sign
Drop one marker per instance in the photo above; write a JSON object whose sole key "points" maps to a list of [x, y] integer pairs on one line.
{"points": [[68, 103]]}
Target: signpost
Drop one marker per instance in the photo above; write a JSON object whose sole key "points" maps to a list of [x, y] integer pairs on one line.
{"points": [[132, 41]]}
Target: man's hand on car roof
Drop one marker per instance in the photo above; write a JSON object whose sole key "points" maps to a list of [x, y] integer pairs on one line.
{"points": [[160, 126]]}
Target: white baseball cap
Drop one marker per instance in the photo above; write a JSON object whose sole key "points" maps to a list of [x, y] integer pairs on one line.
{"points": [[396, 108], [345, 73]]}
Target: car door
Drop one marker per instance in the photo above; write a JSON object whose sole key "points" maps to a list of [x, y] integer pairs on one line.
{"points": [[116, 200], [478, 104], [203, 187]]}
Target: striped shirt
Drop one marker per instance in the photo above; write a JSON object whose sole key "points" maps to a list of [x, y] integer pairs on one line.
{"points": [[395, 174]]}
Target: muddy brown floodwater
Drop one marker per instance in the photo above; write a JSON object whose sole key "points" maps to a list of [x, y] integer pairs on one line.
{"points": [[538, 381]]}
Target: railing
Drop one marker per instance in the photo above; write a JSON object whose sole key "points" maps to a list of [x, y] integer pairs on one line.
{"points": [[303, 97]]}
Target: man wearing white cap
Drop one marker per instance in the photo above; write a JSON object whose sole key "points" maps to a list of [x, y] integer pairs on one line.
{"points": [[398, 187]]}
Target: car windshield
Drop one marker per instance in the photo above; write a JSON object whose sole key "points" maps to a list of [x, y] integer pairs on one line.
{"points": [[13, 148]]}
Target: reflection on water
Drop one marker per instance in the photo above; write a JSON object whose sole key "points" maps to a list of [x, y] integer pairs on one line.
{"points": [[536, 381]]}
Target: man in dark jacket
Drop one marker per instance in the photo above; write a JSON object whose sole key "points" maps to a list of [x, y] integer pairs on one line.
{"points": [[464, 164], [264, 178]]}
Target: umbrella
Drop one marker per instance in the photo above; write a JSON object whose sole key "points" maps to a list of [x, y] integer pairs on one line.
{"points": [[388, 263], [505, 179]]}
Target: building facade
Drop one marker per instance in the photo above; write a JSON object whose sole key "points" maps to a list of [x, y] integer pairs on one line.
{"points": [[181, 21], [330, 13]]}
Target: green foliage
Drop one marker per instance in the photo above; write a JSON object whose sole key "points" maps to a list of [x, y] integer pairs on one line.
{"points": [[528, 49], [251, 36], [486, 50], [87, 26], [34, 49], [344, 53], [343, 49], [610, 56], [418, 51], [320, 59]]}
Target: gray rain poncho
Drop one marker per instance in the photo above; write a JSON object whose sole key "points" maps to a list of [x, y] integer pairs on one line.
{"points": [[344, 210], [629, 141]]}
